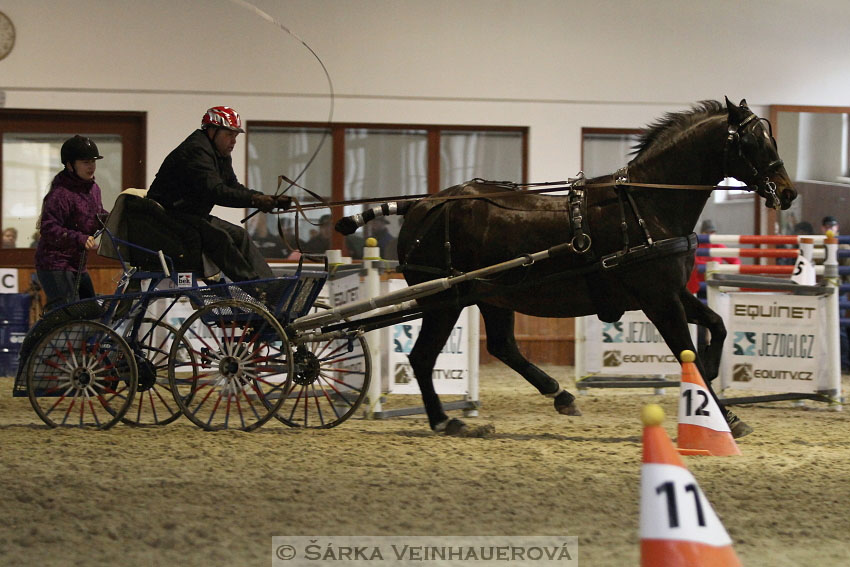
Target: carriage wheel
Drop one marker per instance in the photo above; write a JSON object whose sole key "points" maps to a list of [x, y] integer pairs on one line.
{"points": [[331, 380], [240, 366], [81, 374], [154, 403]]}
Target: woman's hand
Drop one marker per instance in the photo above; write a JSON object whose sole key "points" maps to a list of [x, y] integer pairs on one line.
{"points": [[90, 243]]}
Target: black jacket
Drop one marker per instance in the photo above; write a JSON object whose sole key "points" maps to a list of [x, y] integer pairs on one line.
{"points": [[194, 177]]}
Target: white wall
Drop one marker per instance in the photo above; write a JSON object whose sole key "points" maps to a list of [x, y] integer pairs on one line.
{"points": [[553, 65]]}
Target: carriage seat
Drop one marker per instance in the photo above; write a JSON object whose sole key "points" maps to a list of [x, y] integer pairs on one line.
{"points": [[144, 222]]}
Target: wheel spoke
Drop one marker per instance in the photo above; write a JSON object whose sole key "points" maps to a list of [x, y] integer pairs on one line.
{"points": [[331, 381], [72, 366], [237, 364]]}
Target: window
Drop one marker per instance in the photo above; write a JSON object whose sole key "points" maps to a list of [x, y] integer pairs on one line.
{"points": [[605, 150], [30, 161], [29, 153], [493, 155], [372, 161]]}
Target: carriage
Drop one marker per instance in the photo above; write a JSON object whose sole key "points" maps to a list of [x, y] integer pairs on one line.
{"points": [[253, 350], [170, 343]]}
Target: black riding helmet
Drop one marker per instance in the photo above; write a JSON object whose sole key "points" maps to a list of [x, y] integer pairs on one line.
{"points": [[79, 147]]}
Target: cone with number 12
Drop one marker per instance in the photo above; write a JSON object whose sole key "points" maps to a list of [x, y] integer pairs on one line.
{"points": [[702, 428], [678, 526]]}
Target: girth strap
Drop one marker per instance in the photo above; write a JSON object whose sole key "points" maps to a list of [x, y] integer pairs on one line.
{"points": [[665, 247]]}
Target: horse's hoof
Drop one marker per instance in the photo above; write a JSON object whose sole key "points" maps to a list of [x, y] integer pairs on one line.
{"points": [[456, 428], [452, 427], [565, 404], [571, 409], [478, 431], [739, 429], [736, 426]]}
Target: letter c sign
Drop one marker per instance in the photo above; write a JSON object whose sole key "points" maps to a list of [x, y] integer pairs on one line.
{"points": [[8, 280]]}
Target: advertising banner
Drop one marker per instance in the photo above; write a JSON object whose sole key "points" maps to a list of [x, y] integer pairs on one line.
{"points": [[631, 346], [774, 343], [451, 372]]}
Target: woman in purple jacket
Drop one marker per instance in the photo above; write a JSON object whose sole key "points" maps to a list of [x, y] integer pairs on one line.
{"points": [[69, 219]]}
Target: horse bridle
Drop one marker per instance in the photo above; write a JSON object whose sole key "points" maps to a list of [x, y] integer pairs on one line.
{"points": [[762, 177]]}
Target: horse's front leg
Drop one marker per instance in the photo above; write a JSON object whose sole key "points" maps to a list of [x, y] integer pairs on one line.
{"points": [[437, 326], [668, 316], [699, 313]]}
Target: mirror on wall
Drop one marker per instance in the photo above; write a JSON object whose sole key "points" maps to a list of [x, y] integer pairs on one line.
{"points": [[813, 142]]}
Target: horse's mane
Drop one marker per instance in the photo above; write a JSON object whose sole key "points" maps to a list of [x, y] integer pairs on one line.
{"points": [[674, 123]]}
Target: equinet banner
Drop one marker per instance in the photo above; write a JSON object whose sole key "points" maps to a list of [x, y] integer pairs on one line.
{"points": [[774, 342]]}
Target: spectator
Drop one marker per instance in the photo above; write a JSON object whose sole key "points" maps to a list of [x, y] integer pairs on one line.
{"points": [[270, 246], [320, 242], [10, 238], [800, 229], [804, 227], [386, 241], [829, 222]]}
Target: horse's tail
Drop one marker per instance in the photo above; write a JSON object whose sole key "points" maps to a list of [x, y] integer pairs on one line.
{"points": [[347, 225]]}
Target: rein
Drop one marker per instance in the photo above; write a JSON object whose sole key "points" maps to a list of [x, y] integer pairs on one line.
{"points": [[550, 187]]}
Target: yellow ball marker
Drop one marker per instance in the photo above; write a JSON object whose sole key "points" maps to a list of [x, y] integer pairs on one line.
{"points": [[652, 415], [687, 356]]}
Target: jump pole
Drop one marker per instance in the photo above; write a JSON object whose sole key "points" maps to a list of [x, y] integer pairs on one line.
{"points": [[374, 339], [829, 271], [833, 324]]}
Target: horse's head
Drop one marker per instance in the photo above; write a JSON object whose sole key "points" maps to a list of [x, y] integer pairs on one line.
{"points": [[751, 156]]}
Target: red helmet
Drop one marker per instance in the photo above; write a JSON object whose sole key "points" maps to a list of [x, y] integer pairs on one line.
{"points": [[222, 117]]}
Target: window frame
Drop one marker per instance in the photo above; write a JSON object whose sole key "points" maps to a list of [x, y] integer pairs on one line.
{"points": [[130, 125], [336, 137]]}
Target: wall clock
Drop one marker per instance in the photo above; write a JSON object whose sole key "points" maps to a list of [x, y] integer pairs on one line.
{"points": [[7, 35]]}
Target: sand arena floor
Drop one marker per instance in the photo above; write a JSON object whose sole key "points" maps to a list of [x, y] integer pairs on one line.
{"points": [[177, 495]]}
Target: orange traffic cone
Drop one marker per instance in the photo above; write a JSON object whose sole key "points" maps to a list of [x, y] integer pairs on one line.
{"points": [[702, 428], [678, 526]]}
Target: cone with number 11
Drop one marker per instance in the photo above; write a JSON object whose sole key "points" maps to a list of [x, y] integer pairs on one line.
{"points": [[678, 526], [702, 428]]}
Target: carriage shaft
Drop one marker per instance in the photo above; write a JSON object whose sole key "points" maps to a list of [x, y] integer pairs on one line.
{"points": [[416, 291]]}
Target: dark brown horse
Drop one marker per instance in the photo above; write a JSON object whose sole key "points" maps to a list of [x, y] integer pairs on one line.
{"points": [[633, 245]]}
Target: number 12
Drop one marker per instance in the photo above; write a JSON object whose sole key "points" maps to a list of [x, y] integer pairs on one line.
{"points": [[701, 409]]}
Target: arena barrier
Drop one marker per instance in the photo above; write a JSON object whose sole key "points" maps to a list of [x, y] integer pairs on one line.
{"points": [[628, 353], [631, 354], [783, 337]]}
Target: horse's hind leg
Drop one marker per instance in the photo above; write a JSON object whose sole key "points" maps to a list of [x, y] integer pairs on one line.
{"points": [[501, 343], [437, 326]]}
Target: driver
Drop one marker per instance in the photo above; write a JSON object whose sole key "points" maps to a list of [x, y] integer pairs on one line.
{"points": [[198, 175]]}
